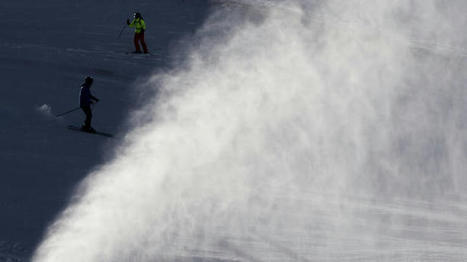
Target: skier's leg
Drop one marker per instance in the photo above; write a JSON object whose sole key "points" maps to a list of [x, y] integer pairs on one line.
{"points": [[135, 41], [85, 120], [143, 43], [88, 112], [89, 117]]}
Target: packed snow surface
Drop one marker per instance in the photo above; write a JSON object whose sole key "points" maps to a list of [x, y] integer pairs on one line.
{"points": [[273, 131]]}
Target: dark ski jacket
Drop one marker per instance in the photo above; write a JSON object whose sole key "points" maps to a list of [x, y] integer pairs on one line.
{"points": [[85, 96]]}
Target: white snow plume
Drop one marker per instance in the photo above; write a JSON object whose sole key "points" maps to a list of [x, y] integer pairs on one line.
{"points": [[45, 109], [297, 131]]}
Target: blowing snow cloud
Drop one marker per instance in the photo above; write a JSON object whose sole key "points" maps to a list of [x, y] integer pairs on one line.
{"points": [[278, 136]]}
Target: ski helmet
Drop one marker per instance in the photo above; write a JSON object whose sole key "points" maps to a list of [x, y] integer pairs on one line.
{"points": [[88, 80], [137, 15]]}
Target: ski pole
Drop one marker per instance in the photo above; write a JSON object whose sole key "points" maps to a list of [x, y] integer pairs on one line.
{"points": [[67, 112], [121, 31]]}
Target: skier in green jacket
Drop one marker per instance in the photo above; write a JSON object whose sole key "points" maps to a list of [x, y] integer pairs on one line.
{"points": [[140, 26]]}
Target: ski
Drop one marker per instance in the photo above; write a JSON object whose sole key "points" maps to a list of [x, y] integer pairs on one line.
{"points": [[76, 128], [142, 54]]}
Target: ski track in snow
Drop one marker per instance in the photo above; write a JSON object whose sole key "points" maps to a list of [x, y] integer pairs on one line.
{"points": [[11, 252]]}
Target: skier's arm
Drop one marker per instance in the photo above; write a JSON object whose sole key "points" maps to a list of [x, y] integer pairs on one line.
{"points": [[143, 25], [132, 24], [93, 98]]}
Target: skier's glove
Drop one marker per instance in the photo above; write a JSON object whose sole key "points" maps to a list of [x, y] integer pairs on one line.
{"points": [[128, 21]]}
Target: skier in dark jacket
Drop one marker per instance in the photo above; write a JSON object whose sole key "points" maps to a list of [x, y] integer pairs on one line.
{"points": [[85, 102], [140, 26]]}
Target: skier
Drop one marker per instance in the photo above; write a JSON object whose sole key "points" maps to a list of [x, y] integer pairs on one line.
{"points": [[140, 26], [85, 102]]}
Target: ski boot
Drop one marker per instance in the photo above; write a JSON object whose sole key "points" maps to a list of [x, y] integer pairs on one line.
{"points": [[88, 129]]}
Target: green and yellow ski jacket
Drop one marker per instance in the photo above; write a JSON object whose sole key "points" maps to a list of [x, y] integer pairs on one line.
{"points": [[138, 24]]}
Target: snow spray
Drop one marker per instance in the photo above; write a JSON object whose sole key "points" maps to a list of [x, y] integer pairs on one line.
{"points": [[293, 131]]}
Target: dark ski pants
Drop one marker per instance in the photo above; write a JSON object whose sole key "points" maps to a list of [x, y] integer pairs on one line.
{"points": [[139, 38], [87, 111]]}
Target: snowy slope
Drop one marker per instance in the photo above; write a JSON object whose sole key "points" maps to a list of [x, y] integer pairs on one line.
{"points": [[286, 130], [46, 49]]}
